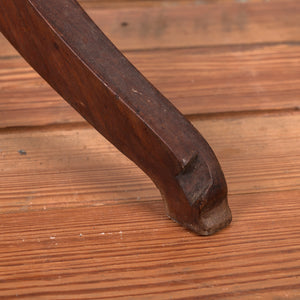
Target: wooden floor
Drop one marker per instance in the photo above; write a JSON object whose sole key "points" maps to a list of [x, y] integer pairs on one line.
{"points": [[80, 221]]}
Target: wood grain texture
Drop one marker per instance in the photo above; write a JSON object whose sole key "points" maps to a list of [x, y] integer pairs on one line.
{"points": [[82, 253], [117, 4], [196, 81], [80, 221], [200, 24], [192, 23], [76, 164]]}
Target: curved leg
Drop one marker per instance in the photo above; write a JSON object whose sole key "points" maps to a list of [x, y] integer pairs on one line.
{"points": [[71, 53]]}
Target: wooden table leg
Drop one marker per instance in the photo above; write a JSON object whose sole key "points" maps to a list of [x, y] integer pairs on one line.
{"points": [[71, 53]]}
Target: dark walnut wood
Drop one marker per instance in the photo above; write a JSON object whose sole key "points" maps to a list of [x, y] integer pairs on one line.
{"points": [[70, 52]]}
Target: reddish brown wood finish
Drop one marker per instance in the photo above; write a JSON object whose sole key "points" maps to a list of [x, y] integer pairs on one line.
{"points": [[67, 49]]}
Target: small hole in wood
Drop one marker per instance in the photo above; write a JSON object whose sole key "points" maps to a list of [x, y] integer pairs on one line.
{"points": [[124, 24]]}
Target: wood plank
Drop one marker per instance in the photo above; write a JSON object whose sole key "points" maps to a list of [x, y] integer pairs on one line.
{"points": [[134, 252], [76, 166], [194, 23], [200, 80], [156, 3], [79, 221], [117, 4], [126, 3]]}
